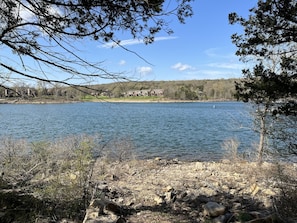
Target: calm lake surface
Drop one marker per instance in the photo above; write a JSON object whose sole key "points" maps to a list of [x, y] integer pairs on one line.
{"points": [[192, 131]]}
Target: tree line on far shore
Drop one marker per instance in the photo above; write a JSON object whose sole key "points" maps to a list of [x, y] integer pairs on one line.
{"points": [[219, 89]]}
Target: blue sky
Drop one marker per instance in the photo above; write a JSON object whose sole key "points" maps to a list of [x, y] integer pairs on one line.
{"points": [[199, 49]]}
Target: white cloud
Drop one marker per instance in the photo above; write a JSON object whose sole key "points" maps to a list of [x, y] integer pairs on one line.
{"points": [[128, 42], [182, 67], [27, 15], [219, 53], [143, 71], [211, 52]]}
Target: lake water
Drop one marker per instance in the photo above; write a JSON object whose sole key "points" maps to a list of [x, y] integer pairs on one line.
{"points": [[172, 130]]}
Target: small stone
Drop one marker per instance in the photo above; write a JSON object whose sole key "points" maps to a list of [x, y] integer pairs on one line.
{"points": [[175, 161], [121, 220], [72, 176], [219, 219], [269, 192], [214, 209], [232, 191], [268, 202], [168, 188], [170, 196], [111, 177], [254, 189], [159, 200]]}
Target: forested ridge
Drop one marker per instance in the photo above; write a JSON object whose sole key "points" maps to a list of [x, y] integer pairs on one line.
{"points": [[220, 89]]}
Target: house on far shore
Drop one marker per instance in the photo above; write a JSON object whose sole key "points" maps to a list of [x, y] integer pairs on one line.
{"points": [[149, 92]]}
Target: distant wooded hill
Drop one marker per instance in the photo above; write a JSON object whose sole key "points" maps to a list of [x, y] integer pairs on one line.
{"points": [[221, 89], [177, 90]]}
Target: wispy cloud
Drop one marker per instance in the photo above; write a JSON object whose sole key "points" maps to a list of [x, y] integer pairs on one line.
{"points": [[211, 52], [182, 67], [144, 71], [219, 53], [232, 66], [129, 42], [215, 74], [122, 62]]}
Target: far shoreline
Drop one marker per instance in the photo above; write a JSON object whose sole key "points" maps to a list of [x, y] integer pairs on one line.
{"points": [[111, 100], [161, 100]]}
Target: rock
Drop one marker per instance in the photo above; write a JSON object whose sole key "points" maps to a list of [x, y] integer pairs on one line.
{"points": [[175, 161], [219, 219], [72, 176], [168, 188], [103, 187], [200, 166], [269, 192], [121, 220], [267, 202], [159, 200], [254, 189], [208, 191], [111, 177], [170, 197], [213, 209]]}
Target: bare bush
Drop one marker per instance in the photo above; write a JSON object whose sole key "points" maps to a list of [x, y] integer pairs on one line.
{"points": [[119, 150], [230, 147], [285, 203], [16, 166], [59, 170]]}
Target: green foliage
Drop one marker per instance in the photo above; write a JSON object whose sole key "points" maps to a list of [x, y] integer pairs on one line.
{"points": [[269, 40]]}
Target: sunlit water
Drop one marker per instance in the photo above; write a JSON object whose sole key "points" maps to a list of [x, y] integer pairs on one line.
{"points": [[192, 131]]}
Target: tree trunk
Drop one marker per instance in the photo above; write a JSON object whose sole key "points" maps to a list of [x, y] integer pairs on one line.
{"points": [[262, 136]]}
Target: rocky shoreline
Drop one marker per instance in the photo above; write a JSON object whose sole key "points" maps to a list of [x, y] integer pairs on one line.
{"points": [[157, 190]]}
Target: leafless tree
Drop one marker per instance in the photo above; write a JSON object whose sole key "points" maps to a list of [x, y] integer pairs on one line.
{"points": [[44, 35]]}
